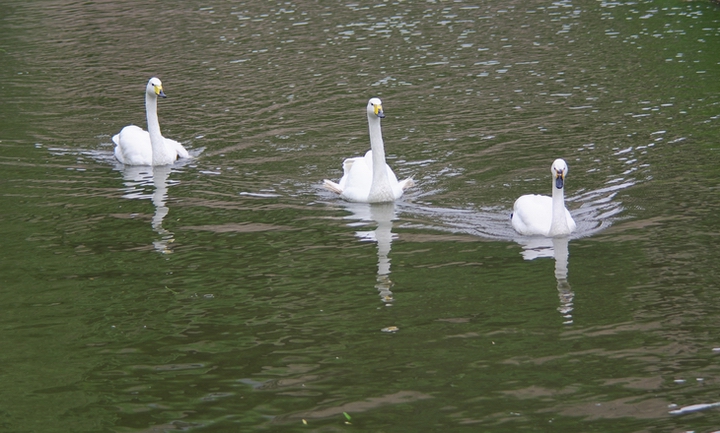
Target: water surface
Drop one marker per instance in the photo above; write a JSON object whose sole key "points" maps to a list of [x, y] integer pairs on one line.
{"points": [[231, 292]]}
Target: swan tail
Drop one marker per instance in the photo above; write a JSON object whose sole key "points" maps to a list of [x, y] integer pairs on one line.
{"points": [[182, 152], [179, 148], [332, 186], [407, 183]]}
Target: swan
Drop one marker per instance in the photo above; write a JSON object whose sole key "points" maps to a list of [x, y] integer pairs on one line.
{"points": [[541, 215], [135, 146], [368, 179]]}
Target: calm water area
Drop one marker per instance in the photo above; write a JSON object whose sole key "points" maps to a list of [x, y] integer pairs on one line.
{"points": [[231, 292]]}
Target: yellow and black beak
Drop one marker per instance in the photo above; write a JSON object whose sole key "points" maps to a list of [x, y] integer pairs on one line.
{"points": [[559, 179], [159, 91], [378, 111]]}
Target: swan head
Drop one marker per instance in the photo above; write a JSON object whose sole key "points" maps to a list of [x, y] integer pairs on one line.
{"points": [[154, 88], [559, 170], [374, 108]]}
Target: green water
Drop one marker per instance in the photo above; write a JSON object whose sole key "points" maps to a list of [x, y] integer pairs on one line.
{"points": [[233, 293]]}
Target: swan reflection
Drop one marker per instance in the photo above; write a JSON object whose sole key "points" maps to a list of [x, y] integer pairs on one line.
{"points": [[136, 178], [382, 214], [536, 247]]}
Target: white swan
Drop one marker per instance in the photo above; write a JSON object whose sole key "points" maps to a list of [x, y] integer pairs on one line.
{"points": [[368, 179], [541, 215], [134, 146]]}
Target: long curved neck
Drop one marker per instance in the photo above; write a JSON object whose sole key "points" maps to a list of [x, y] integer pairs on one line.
{"points": [[378, 152], [156, 139], [559, 225]]}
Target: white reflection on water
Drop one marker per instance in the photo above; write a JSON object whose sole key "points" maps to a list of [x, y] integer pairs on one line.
{"points": [[136, 178], [536, 247], [383, 215]]}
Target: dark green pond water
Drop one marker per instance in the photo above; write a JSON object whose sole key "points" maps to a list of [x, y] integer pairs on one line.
{"points": [[233, 293]]}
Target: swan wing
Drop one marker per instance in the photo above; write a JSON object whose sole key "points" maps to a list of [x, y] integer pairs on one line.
{"points": [[350, 176], [132, 146], [179, 148], [357, 179], [347, 165], [532, 215], [398, 188], [570, 221]]}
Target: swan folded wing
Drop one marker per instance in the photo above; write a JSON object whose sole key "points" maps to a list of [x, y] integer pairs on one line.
{"points": [[356, 182], [347, 168], [348, 163], [132, 146], [570, 221], [397, 187], [532, 215]]}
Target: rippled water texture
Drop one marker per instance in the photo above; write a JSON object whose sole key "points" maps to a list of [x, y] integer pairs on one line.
{"points": [[232, 293]]}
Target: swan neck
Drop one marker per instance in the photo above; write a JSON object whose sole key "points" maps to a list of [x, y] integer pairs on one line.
{"points": [[152, 121], [378, 151], [559, 224]]}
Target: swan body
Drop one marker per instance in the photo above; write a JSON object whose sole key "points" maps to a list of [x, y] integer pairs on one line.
{"points": [[542, 215], [135, 146], [368, 179]]}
